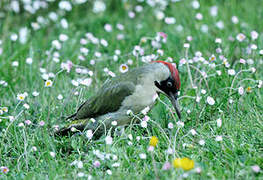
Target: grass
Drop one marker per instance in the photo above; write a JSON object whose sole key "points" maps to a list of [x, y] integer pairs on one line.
{"points": [[25, 150]]}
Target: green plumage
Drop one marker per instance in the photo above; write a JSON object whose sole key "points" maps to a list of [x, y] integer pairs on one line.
{"points": [[108, 99], [103, 106], [111, 94]]}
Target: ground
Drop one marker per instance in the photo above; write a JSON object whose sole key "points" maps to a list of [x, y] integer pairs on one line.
{"points": [[56, 54]]}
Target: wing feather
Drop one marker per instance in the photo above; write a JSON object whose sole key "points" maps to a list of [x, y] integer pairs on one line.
{"points": [[108, 99]]}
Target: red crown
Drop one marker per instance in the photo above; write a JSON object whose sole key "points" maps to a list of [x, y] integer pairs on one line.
{"points": [[174, 73]]}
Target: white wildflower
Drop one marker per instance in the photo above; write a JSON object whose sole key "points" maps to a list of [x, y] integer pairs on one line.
{"points": [[219, 122], [195, 4], [29, 60], [220, 24], [213, 11], [108, 140], [159, 15], [202, 142], [240, 37], [80, 164], [52, 154], [109, 172], [170, 125], [199, 16], [234, 19], [114, 123], [144, 124], [170, 20], [193, 132], [231, 72], [210, 100], [65, 5], [99, 6], [108, 27], [180, 124], [254, 35], [142, 156], [145, 110], [255, 168], [219, 138]]}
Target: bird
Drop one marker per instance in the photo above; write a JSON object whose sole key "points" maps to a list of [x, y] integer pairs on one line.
{"points": [[132, 91]]}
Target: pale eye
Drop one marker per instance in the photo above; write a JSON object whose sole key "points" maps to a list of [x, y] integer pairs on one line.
{"points": [[169, 84]]}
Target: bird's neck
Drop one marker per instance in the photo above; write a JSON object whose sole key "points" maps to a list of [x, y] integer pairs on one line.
{"points": [[157, 72]]}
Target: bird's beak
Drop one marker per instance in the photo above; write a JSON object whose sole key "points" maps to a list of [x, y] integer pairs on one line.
{"points": [[173, 99]]}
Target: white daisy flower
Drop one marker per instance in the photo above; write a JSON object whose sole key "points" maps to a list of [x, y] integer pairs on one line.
{"points": [[144, 124], [231, 72], [80, 164], [108, 140], [219, 138], [29, 60], [123, 68], [26, 106], [240, 37], [15, 63], [159, 15], [108, 27], [219, 122], [199, 16], [210, 100], [234, 19], [114, 123], [65, 5], [63, 37], [213, 11], [99, 6], [202, 142], [255, 168], [52, 154], [180, 124], [195, 4], [21, 97], [193, 132], [48, 83], [60, 97], [254, 35], [109, 172], [142, 156]]}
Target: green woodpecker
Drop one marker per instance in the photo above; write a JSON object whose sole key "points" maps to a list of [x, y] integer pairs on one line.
{"points": [[134, 90]]}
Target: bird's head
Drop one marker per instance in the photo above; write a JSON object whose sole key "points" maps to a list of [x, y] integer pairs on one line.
{"points": [[171, 85]]}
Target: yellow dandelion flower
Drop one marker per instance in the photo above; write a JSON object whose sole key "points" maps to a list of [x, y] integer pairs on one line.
{"points": [[184, 163], [187, 164], [153, 141], [177, 163], [48, 83], [249, 89]]}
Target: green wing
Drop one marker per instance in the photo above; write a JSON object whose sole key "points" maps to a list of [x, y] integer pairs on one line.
{"points": [[108, 99]]}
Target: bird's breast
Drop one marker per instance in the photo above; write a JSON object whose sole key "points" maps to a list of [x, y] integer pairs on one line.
{"points": [[143, 96]]}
